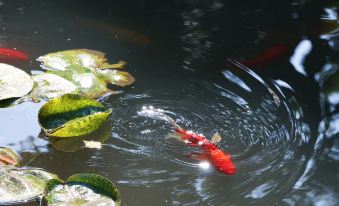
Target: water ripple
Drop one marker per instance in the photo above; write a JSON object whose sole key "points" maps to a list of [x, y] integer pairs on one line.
{"points": [[261, 127]]}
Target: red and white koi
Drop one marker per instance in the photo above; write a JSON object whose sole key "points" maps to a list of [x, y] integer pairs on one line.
{"points": [[220, 160]]}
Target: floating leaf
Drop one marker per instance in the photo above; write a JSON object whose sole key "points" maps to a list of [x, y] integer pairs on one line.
{"points": [[72, 115], [82, 189], [21, 185], [87, 69], [13, 82], [48, 86], [116, 77], [9, 157]]}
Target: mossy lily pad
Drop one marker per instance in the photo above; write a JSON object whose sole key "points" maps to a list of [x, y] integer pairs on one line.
{"points": [[22, 184], [9, 157], [87, 69], [14, 82], [82, 189], [72, 115]]}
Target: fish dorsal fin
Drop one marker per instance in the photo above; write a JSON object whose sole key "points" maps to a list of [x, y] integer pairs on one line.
{"points": [[216, 138]]}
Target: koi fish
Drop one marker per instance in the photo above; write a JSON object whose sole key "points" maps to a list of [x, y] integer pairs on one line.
{"points": [[7, 54], [118, 32], [220, 160], [6, 159], [268, 56]]}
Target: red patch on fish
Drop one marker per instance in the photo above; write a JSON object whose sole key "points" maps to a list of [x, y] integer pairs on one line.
{"points": [[8, 160], [270, 55], [220, 160], [7, 54]]}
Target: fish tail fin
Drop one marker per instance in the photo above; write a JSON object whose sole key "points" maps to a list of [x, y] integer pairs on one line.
{"points": [[173, 135], [158, 114]]}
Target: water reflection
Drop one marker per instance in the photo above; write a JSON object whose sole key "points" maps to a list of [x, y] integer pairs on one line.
{"points": [[260, 131], [196, 38], [312, 188], [20, 127], [301, 51], [262, 125]]}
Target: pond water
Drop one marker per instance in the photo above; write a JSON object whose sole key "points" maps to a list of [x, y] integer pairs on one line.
{"points": [[273, 117]]}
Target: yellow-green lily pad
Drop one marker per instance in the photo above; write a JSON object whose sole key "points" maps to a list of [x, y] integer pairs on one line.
{"points": [[87, 69], [72, 115], [14, 82], [22, 184], [82, 189]]}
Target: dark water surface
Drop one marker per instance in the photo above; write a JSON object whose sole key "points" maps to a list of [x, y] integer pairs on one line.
{"points": [[275, 121]]}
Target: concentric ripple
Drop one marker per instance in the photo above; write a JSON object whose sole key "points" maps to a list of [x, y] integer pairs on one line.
{"points": [[260, 127]]}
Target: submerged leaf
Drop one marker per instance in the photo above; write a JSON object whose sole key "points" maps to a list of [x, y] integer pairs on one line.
{"points": [[21, 185], [87, 69], [13, 82], [72, 115], [82, 189], [77, 143], [9, 157]]}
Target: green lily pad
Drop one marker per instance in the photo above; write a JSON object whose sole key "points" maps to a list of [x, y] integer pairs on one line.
{"points": [[82, 189], [13, 82], [48, 86], [72, 115], [22, 184], [87, 69], [9, 157]]}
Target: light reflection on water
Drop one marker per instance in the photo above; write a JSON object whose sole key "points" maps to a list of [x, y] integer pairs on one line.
{"points": [[261, 135], [279, 159]]}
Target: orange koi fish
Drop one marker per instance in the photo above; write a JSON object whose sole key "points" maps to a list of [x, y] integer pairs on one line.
{"points": [[7, 54], [6, 159], [220, 160]]}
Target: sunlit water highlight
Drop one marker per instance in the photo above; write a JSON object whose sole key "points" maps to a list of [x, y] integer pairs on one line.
{"points": [[261, 122]]}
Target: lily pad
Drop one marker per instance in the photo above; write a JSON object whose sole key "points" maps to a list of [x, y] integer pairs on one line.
{"points": [[9, 157], [14, 82], [82, 189], [72, 115], [87, 69], [22, 184], [48, 86]]}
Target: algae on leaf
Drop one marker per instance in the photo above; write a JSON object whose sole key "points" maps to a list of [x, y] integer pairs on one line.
{"points": [[72, 115], [82, 189], [14, 82], [87, 69]]}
